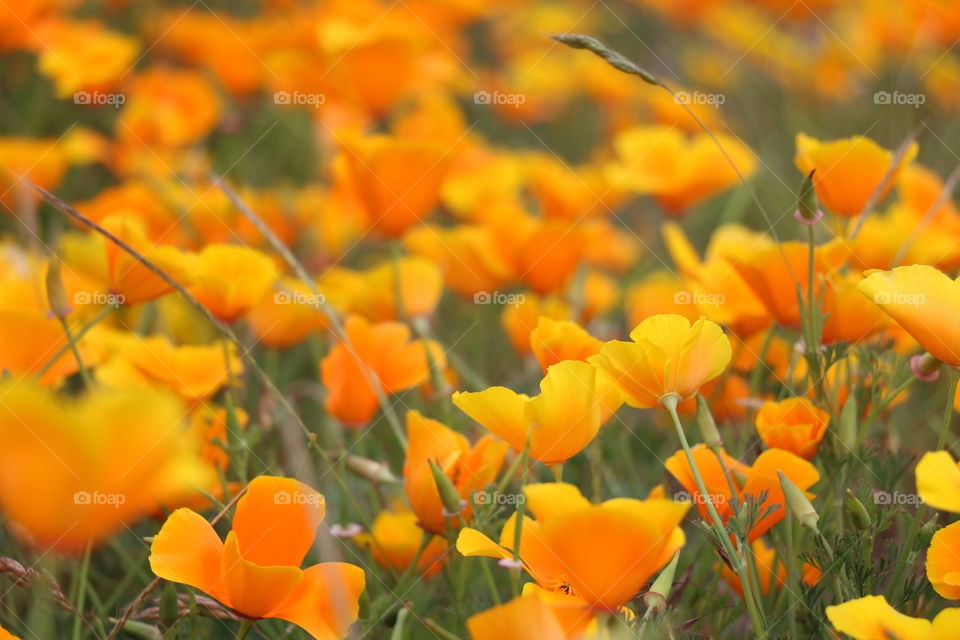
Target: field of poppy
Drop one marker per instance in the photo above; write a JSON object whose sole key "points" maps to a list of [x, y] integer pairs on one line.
{"points": [[479, 319]]}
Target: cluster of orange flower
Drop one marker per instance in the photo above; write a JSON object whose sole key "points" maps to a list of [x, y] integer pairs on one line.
{"points": [[187, 356]]}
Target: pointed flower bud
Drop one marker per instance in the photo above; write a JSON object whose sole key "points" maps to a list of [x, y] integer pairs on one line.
{"points": [[858, 513], [847, 431], [56, 292], [798, 504], [453, 504], [656, 597], [808, 207], [708, 427]]}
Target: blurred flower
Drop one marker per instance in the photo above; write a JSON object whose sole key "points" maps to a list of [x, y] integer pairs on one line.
{"points": [[537, 614], [793, 424], [601, 553], [194, 372], [938, 481], [230, 279], [468, 255], [943, 566], [84, 56], [522, 313], [209, 425], [667, 355], [92, 464], [848, 170], [167, 108], [659, 291], [398, 181], [680, 171], [871, 618], [380, 354], [420, 286], [285, 316], [554, 341], [41, 161], [256, 570], [774, 273], [922, 300], [758, 479], [557, 424], [469, 468], [395, 539]]}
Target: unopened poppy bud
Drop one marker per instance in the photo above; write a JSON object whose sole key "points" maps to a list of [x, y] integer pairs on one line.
{"points": [[847, 431], [453, 504], [808, 207], [858, 513], [656, 597], [141, 630], [708, 427], [169, 607], [56, 293], [614, 59], [926, 533], [370, 469], [798, 504], [925, 367]]}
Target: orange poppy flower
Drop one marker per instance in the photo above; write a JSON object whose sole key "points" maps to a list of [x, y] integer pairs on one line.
{"points": [[770, 570], [29, 339], [468, 255], [848, 170], [848, 316], [256, 570], [760, 477], [679, 171], [375, 293], [41, 161], [84, 56], [6, 635], [93, 464], [774, 272], [469, 467], [557, 424], [667, 355], [194, 372], [659, 291], [601, 553], [523, 311], [127, 278], [230, 279], [287, 315], [398, 181], [554, 341], [167, 108], [793, 424], [395, 538], [535, 615], [209, 425], [379, 353], [922, 300]]}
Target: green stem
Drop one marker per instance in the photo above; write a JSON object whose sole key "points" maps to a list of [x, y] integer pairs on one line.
{"points": [[245, 626], [83, 331], [793, 588], [84, 373], [669, 401], [518, 524], [82, 580]]}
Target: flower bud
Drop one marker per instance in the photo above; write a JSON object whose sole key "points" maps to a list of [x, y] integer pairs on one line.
{"points": [[708, 427], [56, 293], [798, 504], [370, 469], [847, 432], [453, 504], [808, 207], [656, 597], [925, 367], [858, 513]]}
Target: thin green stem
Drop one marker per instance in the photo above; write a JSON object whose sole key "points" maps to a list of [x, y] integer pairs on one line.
{"points": [[79, 334], [84, 373]]}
